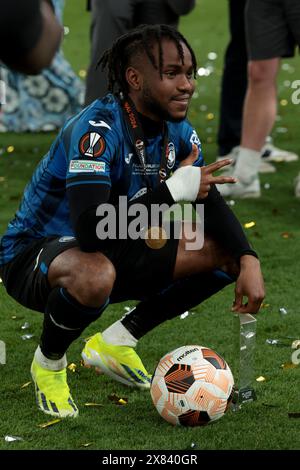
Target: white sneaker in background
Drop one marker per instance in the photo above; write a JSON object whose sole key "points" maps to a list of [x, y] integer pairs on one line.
{"points": [[270, 153], [264, 167]]}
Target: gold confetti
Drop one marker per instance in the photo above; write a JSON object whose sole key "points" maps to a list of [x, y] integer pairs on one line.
{"points": [[260, 379], [249, 224], [210, 116], [117, 400], [93, 404], [283, 102], [2, 178], [287, 235], [288, 365], [10, 148], [82, 73], [264, 305], [50, 423], [72, 367], [87, 444], [25, 385]]}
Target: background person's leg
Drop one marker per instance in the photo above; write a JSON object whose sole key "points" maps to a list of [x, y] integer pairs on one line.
{"points": [[234, 81], [110, 19]]}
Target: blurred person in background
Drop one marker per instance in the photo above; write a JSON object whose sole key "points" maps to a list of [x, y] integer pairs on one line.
{"points": [[41, 102], [30, 34], [112, 18], [234, 88]]}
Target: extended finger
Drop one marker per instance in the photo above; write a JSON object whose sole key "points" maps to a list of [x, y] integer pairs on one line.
{"points": [[222, 180], [216, 165]]}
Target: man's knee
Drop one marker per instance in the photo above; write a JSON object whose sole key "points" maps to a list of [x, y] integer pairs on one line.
{"points": [[262, 71], [88, 277], [94, 283]]}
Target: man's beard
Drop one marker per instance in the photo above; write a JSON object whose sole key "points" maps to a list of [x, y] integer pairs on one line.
{"points": [[155, 107]]}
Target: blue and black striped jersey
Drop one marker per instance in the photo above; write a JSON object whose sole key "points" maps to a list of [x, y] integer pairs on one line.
{"points": [[93, 148]]}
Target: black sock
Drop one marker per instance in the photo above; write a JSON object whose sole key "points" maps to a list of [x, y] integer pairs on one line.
{"points": [[173, 301], [64, 321]]}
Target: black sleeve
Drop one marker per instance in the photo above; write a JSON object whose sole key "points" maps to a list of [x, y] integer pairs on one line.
{"points": [[221, 223], [20, 28], [84, 200]]}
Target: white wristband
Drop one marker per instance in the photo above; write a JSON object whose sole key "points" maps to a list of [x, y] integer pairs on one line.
{"points": [[184, 184]]}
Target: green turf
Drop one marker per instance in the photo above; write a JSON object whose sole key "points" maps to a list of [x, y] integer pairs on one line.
{"points": [[137, 425]]}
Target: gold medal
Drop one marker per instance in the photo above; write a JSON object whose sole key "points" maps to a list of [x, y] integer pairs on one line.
{"points": [[155, 237]]}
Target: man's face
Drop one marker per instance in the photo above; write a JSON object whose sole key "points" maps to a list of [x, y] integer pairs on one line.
{"points": [[167, 97]]}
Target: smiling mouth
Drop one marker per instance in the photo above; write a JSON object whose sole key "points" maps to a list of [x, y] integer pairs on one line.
{"points": [[182, 99]]}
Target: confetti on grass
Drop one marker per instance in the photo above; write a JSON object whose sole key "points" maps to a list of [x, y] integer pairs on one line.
{"points": [[117, 400], [250, 224], [95, 405], [13, 438], [86, 444], [25, 385], [50, 423], [72, 367], [288, 365], [261, 379]]}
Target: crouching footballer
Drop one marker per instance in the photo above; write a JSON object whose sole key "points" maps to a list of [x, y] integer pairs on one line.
{"points": [[136, 143]]}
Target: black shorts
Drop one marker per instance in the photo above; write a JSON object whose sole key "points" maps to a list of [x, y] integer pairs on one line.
{"points": [[272, 28], [141, 271]]}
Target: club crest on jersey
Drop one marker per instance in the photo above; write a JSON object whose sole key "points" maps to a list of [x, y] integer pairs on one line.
{"points": [[194, 139], [171, 155], [92, 145]]}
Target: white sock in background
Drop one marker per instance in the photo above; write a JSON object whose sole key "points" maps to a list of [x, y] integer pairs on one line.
{"points": [[247, 164], [118, 335]]}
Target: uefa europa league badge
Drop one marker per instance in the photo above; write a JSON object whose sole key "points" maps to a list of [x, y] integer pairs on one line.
{"points": [[155, 237]]}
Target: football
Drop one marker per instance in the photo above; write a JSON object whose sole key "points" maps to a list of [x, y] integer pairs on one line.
{"points": [[192, 386]]}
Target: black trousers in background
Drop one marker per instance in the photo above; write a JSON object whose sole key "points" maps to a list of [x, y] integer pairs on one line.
{"points": [[234, 81], [112, 18]]}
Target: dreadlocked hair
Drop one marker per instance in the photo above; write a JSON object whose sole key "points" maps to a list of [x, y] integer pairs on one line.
{"points": [[140, 40]]}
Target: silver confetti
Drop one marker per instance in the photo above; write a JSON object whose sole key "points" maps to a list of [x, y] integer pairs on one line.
{"points": [[204, 72], [283, 311], [28, 336], [2, 353], [25, 326], [281, 130], [12, 438], [212, 55], [66, 30], [184, 315], [267, 185], [272, 341]]}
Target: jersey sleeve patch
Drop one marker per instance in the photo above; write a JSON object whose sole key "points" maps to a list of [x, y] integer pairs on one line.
{"points": [[92, 145], [86, 166]]}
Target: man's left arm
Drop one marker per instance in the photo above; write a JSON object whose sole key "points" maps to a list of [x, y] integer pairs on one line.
{"points": [[223, 225]]}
